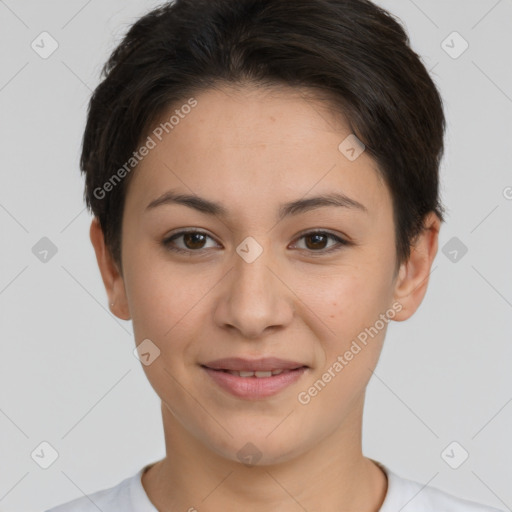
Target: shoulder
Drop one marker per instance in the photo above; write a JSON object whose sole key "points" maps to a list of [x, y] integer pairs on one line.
{"points": [[409, 496], [114, 499]]}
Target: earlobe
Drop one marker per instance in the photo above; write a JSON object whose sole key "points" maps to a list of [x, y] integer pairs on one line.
{"points": [[112, 278], [412, 280]]}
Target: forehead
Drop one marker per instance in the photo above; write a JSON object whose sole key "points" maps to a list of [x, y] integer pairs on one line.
{"points": [[247, 142]]}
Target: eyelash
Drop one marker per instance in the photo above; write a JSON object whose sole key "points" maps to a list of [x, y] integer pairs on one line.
{"points": [[341, 242]]}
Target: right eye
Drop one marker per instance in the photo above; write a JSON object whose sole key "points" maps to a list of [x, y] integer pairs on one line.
{"points": [[193, 241]]}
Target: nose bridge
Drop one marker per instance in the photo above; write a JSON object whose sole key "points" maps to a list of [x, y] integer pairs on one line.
{"points": [[256, 297], [251, 271]]}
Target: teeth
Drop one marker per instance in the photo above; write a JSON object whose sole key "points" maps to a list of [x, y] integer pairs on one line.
{"points": [[263, 374], [258, 374]]}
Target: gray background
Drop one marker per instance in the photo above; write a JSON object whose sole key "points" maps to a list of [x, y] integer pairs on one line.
{"points": [[67, 372]]}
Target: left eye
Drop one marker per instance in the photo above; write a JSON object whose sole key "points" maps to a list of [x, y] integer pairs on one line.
{"points": [[319, 238], [194, 241]]}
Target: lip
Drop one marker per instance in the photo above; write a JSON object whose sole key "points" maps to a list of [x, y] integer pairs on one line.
{"points": [[262, 364], [254, 388]]}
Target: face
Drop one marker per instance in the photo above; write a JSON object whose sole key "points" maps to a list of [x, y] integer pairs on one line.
{"points": [[255, 277]]}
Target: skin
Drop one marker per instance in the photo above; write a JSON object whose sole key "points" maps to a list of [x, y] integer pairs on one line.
{"points": [[252, 150]]}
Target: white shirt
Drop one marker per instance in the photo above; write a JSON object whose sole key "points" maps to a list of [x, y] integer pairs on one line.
{"points": [[402, 495]]}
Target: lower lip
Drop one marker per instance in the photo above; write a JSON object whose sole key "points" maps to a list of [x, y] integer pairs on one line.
{"points": [[253, 388]]}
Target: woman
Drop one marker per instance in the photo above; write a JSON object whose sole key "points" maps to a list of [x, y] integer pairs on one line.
{"points": [[264, 182]]}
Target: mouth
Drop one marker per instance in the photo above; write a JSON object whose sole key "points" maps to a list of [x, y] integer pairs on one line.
{"points": [[254, 379], [257, 374], [264, 364]]}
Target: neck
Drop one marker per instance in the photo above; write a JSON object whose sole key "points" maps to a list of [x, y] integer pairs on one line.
{"points": [[193, 477]]}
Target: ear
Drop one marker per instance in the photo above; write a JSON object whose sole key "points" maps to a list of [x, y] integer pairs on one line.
{"points": [[112, 278], [412, 281]]}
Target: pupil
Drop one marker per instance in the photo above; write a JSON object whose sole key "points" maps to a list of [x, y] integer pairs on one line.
{"points": [[189, 240], [315, 237]]}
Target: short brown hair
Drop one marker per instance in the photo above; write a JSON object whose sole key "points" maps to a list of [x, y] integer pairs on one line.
{"points": [[353, 50]]}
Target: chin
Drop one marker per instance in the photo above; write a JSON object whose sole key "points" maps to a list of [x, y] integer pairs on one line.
{"points": [[258, 448]]}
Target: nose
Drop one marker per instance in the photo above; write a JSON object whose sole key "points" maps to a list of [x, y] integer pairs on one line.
{"points": [[254, 298]]}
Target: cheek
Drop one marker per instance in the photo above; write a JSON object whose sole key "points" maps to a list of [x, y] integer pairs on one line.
{"points": [[351, 300], [353, 305], [157, 297], [168, 307], [352, 347]]}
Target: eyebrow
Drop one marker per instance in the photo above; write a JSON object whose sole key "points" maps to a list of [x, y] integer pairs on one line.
{"points": [[291, 208]]}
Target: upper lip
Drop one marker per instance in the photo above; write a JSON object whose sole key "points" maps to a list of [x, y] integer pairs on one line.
{"points": [[248, 365]]}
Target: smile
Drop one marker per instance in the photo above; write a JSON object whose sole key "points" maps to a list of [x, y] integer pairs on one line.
{"points": [[256, 384], [257, 374]]}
